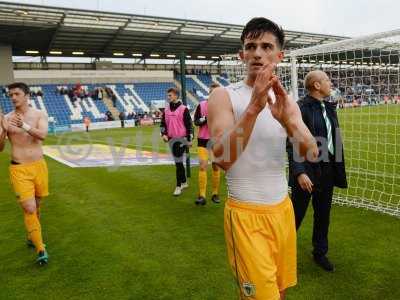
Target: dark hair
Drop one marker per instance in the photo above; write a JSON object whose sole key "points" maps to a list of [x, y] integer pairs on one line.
{"points": [[173, 90], [20, 85], [214, 85], [257, 26]]}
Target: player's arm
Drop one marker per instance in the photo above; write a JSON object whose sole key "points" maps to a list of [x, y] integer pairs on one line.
{"points": [[3, 135], [3, 131], [39, 133], [163, 127], [296, 163], [187, 120], [229, 138], [288, 113]]}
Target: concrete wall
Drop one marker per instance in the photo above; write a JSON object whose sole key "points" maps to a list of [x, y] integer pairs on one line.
{"points": [[6, 65], [89, 76]]}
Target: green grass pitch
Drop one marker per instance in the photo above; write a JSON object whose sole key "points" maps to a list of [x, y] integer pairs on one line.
{"points": [[120, 234]]}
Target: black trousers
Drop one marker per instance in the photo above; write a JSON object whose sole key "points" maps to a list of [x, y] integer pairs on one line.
{"points": [[321, 201], [178, 148]]}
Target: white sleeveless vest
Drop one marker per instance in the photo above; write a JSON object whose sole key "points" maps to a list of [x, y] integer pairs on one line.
{"points": [[258, 175]]}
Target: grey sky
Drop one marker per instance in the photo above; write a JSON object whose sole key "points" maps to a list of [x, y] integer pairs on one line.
{"points": [[338, 17]]}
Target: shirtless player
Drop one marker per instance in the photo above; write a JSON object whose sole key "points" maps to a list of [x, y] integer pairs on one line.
{"points": [[26, 129]]}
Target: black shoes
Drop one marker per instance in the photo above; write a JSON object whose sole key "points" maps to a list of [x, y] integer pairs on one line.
{"points": [[43, 258], [215, 199], [200, 201], [324, 263]]}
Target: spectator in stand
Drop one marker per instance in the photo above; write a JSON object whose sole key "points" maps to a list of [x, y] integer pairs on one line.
{"points": [[99, 94], [109, 116], [122, 118], [64, 91], [137, 120], [86, 121]]}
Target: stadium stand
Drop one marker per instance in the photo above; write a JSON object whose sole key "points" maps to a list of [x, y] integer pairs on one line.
{"points": [[221, 79], [70, 109]]}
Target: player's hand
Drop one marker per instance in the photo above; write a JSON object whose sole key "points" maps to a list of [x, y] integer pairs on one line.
{"points": [[16, 120], [305, 182], [264, 81], [284, 108], [165, 138], [286, 111]]}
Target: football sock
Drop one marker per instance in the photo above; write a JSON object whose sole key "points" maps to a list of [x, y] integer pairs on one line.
{"points": [[34, 230]]}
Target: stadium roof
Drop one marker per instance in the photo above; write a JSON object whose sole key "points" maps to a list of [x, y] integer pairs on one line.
{"points": [[63, 31], [380, 49]]}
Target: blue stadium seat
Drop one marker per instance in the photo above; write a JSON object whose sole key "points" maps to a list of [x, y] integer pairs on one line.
{"points": [[58, 107]]}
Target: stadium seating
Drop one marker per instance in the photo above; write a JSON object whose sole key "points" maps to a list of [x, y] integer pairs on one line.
{"points": [[137, 97], [134, 97], [206, 79], [198, 84], [223, 80], [192, 86]]}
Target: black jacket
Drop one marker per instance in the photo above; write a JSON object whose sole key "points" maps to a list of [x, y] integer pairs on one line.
{"points": [[311, 112]]}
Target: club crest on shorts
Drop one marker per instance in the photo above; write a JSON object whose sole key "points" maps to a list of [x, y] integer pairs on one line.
{"points": [[249, 289]]}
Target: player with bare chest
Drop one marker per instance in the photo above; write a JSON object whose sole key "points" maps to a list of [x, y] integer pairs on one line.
{"points": [[26, 128]]}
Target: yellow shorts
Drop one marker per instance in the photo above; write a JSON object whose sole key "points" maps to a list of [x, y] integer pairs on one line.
{"points": [[261, 243], [30, 180]]}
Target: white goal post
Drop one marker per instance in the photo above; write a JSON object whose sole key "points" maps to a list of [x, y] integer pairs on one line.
{"points": [[365, 73]]}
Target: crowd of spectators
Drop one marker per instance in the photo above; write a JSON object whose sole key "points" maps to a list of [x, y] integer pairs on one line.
{"points": [[360, 85], [79, 92]]}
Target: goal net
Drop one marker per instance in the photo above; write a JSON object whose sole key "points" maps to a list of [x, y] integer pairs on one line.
{"points": [[232, 67], [365, 73]]}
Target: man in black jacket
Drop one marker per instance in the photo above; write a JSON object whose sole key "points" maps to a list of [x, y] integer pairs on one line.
{"points": [[318, 179]]}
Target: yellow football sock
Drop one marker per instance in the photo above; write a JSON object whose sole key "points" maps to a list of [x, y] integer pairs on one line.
{"points": [[215, 181], [34, 230], [202, 183]]}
